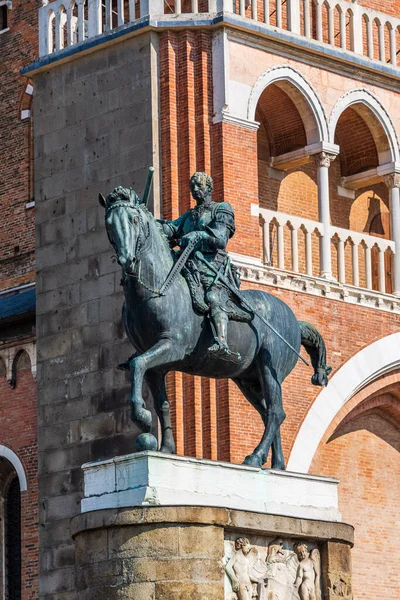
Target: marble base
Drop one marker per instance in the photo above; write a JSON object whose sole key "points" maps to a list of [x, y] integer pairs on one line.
{"points": [[155, 479]]}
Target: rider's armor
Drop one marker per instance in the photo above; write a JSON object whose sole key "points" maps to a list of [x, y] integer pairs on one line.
{"points": [[216, 223]]}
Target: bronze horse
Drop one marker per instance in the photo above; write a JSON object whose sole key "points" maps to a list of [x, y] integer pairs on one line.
{"points": [[168, 335]]}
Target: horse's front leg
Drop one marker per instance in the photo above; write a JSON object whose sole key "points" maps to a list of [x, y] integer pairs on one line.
{"points": [[160, 354], [156, 382]]}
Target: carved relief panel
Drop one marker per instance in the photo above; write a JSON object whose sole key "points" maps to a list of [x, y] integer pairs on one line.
{"points": [[272, 569]]}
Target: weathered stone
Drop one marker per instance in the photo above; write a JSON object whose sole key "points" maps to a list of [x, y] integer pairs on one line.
{"points": [[179, 590], [139, 591], [92, 547], [198, 541], [143, 541], [174, 569]]}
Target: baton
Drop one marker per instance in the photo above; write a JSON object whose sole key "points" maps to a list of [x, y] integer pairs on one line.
{"points": [[147, 187]]}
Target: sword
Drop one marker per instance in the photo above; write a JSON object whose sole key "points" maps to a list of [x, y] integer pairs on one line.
{"points": [[178, 266], [247, 305]]}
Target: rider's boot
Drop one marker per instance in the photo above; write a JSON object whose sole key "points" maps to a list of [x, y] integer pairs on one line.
{"points": [[219, 321]]}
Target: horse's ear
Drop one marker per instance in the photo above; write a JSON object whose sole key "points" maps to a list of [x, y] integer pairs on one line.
{"points": [[102, 200]]}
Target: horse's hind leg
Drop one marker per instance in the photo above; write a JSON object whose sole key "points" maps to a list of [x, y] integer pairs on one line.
{"points": [[256, 399], [277, 460], [272, 395], [156, 383]]}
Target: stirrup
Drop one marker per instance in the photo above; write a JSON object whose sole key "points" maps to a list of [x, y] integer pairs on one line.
{"points": [[221, 350]]}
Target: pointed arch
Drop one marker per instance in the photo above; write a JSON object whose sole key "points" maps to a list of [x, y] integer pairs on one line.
{"points": [[372, 362], [307, 101]]}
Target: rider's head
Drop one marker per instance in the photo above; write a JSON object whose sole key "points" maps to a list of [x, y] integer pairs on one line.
{"points": [[201, 186]]}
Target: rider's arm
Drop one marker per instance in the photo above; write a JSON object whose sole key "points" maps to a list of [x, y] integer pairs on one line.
{"points": [[172, 229], [222, 226]]}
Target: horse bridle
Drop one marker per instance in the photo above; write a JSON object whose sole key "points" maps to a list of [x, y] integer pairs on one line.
{"points": [[139, 247]]}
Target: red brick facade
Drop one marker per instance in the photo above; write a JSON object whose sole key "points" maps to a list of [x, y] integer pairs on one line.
{"points": [[19, 46], [361, 452]]}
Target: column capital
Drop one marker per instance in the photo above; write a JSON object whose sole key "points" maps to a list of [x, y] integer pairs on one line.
{"points": [[323, 159], [392, 180]]}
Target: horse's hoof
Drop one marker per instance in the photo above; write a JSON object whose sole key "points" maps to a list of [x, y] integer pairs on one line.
{"points": [[253, 461], [142, 417], [168, 449], [278, 466]]}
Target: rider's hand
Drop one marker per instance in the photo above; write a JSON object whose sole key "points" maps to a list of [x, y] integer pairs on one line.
{"points": [[192, 235]]}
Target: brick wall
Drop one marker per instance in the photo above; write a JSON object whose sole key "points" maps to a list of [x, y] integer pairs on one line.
{"points": [[365, 435], [19, 47], [19, 433]]}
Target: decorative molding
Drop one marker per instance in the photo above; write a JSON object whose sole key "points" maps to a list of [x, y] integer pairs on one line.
{"points": [[10, 357], [392, 180], [293, 76], [8, 454], [371, 101], [228, 118], [323, 159], [315, 286], [364, 367], [344, 192]]}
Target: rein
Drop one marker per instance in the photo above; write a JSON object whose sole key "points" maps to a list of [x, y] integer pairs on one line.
{"points": [[138, 249]]}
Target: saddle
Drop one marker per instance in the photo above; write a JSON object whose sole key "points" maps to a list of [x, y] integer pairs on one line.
{"points": [[198, 282]]}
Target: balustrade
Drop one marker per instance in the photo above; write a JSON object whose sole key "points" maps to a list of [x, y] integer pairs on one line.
{"points": [[350, 251], [338, 23]]}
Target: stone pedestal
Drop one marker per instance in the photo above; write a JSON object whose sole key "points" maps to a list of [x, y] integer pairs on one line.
{"points": [[151, 551]]}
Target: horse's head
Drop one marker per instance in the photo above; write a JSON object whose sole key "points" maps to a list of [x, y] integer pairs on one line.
{"points": [[125, 225]]}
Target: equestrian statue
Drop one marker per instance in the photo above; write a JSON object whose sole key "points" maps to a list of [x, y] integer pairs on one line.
{"points": [[184, 311]]}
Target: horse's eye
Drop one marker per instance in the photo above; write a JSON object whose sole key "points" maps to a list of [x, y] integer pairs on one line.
{"points": [[136, 220]]}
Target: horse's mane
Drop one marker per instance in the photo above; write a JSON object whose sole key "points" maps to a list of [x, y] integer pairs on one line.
{"points": [[151, 217], [128, 196]]}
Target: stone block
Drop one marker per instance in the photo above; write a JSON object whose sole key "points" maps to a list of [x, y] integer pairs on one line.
{"points": [[68, 138], [182, 590], [98, 288], [200, 540], [97, 426], [55, 346], [57, 580], [59, 506], [92, 547], [48, 209], [336, 569], [172, 569], [50, 122], [58, 558], [107, 573], [140, 591], [143, 541]]}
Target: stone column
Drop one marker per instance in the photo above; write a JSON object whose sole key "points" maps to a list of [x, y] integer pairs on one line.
{"points": [[323, 161], [393, 183]]}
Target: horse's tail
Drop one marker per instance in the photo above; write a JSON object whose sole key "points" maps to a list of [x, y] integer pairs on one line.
{"points": [[314, 344]]}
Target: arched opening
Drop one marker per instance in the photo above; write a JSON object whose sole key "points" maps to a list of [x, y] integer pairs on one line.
{"points": [[287, 176], [367, 437], [51, 32], [3, 17], [376, 33], [349, 30], [10, 531], [337, 11], [364, 146], [62, 25]]}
